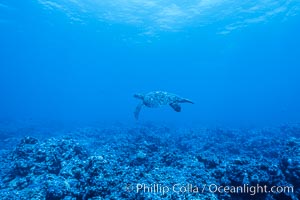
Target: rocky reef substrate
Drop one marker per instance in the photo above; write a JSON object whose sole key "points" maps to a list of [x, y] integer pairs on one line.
{"points": [[152, 162]]}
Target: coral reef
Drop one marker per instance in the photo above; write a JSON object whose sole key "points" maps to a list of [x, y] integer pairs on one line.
{"points": [[152, 162]]}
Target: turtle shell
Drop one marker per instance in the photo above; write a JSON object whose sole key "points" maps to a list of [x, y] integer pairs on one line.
{"points": [[158, 99]]}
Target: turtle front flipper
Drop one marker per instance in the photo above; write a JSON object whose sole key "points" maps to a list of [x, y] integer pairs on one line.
{"points": [[176, 107], [137, 110]]}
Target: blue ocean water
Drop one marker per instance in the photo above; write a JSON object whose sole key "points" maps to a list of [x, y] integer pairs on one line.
{"points": [[238, 61], [80, 62]]}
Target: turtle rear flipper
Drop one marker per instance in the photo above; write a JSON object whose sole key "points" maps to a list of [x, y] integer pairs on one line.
{"points": [[186, 101], [137, 111], [176, 107]]}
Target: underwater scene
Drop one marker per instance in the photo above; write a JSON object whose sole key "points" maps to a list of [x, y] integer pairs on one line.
{"points": [[149, 99]]}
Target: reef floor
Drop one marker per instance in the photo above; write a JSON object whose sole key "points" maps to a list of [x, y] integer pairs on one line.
{"points": [[150, 162]]}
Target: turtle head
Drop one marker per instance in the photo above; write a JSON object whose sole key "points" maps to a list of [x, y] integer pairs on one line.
{"points": [[139, 96]]}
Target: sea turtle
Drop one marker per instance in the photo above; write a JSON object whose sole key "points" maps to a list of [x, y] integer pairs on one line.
{"points": [[157, 99]]}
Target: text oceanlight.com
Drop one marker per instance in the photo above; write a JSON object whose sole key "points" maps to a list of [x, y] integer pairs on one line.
{"points": [[211, 188]]}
